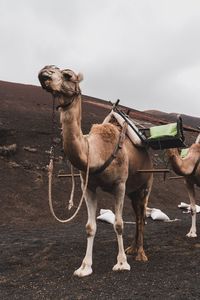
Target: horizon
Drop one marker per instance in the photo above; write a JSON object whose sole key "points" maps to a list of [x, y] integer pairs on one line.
{"points": [[97, 98]]}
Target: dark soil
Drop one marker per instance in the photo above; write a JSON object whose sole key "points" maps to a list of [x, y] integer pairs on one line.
{"points": [[38, 255]]}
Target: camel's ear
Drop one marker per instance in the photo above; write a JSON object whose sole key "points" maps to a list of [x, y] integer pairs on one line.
{"points": [[80, 77]]}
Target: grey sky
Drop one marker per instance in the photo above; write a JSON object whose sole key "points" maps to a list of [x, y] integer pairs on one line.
{"points": [[144, 52]]}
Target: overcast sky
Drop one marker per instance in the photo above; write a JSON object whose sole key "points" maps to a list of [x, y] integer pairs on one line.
{"points": [[144, 52]]}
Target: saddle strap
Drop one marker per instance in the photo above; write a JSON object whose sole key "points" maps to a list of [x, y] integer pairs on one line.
{"points": [[118, 146]]}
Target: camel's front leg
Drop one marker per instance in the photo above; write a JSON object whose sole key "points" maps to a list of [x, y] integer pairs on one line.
{"points": [[86, 266], [118, 226], [191, 193]]}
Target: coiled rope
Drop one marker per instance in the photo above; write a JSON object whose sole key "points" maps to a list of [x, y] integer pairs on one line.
{"points": [[50, 175]]}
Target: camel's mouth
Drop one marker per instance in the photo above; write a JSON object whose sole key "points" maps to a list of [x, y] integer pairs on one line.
{"points": [[45, 77]]}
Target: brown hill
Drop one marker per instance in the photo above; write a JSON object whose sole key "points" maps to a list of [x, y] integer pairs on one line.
{"points": [[190, 121], [38, 255], [26, 120]]}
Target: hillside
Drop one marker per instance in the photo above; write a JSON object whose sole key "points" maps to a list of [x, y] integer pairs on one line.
{"points": [[26, 120], [193, 122], [39, 255]]}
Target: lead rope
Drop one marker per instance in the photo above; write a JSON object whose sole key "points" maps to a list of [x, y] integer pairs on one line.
{"points": [[50, 175], [71, 200], [50, 172]]}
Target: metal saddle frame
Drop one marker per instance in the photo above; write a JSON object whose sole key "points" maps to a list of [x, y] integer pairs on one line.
{"points": [[158, 143]]}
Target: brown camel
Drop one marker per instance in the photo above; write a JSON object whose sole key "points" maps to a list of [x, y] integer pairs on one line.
{"points": [[189, 167], [118, 178]]}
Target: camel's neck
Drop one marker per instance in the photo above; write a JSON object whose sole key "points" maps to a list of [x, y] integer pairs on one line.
{"points": [[180, 166], [74, 142]]}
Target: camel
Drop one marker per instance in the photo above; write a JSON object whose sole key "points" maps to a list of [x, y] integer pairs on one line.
{"points": [[118, 178], [189, 167]]}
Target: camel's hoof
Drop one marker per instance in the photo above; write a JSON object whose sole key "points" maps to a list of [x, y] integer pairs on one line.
{"points": [[191, 234], [130, 250], [83, 271], [141, 257], [122, 266]]}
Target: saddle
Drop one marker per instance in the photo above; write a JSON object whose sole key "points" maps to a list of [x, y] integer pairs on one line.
{"points": [[157, 137], [166, 136]]}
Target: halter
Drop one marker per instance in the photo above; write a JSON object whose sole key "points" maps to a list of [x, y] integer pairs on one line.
{"points": [[75, 94]]}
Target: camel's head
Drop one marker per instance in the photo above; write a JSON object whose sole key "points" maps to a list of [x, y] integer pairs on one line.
{"points": [[60, 82]]}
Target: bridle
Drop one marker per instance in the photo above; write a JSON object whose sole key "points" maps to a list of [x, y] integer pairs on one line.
{"points": [[75, 93], [51, 164], [64, 106]]}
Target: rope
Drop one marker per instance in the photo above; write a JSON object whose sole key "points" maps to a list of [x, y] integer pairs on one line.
{"points": [[50, 171], [71, 200]]}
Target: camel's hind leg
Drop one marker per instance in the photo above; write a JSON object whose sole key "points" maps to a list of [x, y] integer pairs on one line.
{"points": [[139, 201], [86, 266], [118, 227], [191, 193]]}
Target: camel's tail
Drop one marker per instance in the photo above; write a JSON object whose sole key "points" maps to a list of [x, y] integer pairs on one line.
{"points": [[198, 139]]}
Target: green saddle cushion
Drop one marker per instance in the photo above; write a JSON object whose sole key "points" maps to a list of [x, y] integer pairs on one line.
{"points": [[168, 130], [184, 152]]}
